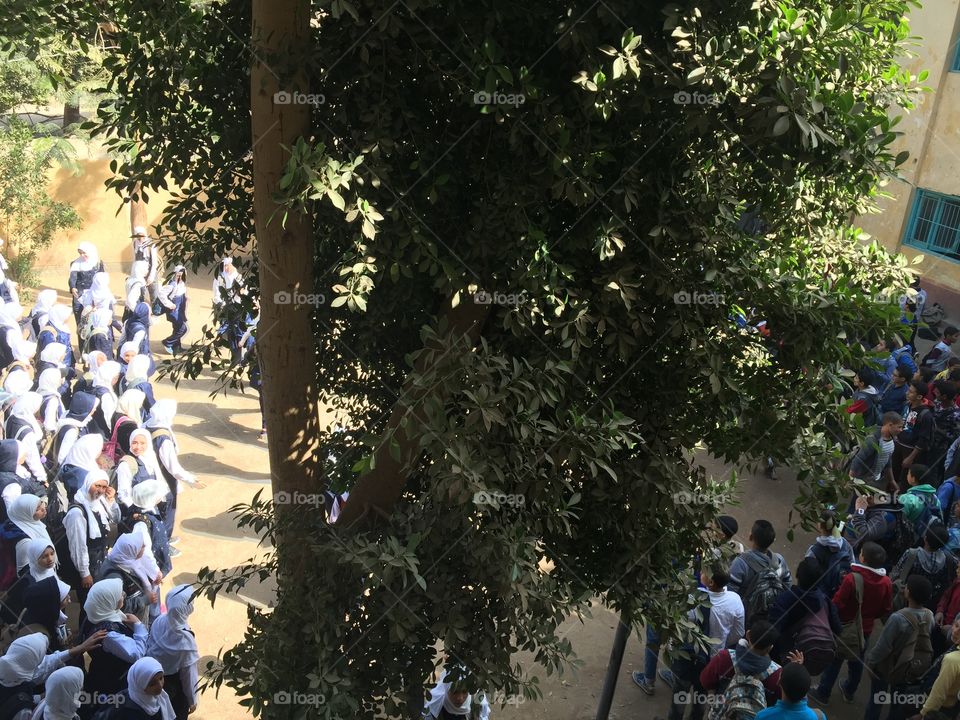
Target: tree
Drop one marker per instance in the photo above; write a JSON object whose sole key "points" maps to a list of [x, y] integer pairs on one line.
{"points": [[703, 163]]}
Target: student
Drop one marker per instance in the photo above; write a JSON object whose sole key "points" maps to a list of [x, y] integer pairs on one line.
{"points": [[44, 602], [87, 524], [124, 641], [136, 329], [248, 355], [56, 331], [82, 272], [98, 295], [160, 424], [795, 605], [146, 698], [61, 699], [727, 527], [722, 621], [228, 286], [173, 297], [759, 574], [137, 377], [916, 439], [125, 561], [125, 420], [73, 426], [794, 685], [942, 697], [138, 465], [92, 360], [873, 463], [930, 561], [22, 425], [946, 424], [449, 702], [948, 607], [907, 628], [80, 462], [135, 289], [99, 336], [52, 409], [752, 660], [877, 520], [173, 645], [104, 389], [145, 251], [12, 483], [920, 502], [145, 516], [894, 396], [937, 358], [27, 513], [832, 552], [865, 400], [46, 299], [52, 357], [876, 601]]}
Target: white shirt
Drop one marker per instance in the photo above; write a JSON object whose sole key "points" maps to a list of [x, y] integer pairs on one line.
{"points": [[726, 619], [66, 442], [167, 456], [10, 493], [51, 410], [128, 649], [75, 523]]}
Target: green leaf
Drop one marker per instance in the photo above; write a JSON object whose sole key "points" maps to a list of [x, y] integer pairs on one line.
{"points": [[696, 75], [781, 126]]}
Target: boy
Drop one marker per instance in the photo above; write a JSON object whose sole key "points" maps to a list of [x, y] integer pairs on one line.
{"points": [[874, 462], [943, 695], [876, 602], [920, 502], [916, 439], [930, 561], [894, 395], [754, 660], [752, 565], [937, 358], [794, 684], [722, 622], [907, 629]]}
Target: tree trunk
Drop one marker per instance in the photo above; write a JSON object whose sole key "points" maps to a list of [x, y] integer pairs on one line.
{"points": [[285, 345], [378, 490], [138, 209], [71, 113]]}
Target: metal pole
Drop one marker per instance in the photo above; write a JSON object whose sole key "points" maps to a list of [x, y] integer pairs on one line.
{"points": [[613, 669]]}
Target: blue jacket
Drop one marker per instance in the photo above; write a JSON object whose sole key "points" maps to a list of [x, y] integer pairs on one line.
{"points": [[784, 710], [894, 398]]}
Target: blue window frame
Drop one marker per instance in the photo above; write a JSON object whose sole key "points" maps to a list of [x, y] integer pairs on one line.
{"points": [[955, 65], [934, 224]]}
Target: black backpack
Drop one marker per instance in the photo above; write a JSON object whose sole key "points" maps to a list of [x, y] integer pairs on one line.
{"points": [[766, 585], [833, 566]]}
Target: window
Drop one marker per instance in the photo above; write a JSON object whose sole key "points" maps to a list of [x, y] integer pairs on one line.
{"points": [[935, 224], [955, 65]]}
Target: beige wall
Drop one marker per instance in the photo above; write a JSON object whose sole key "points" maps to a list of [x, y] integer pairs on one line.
{"points": [[932, 136]]}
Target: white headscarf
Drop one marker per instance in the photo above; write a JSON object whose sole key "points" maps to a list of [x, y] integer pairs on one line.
{"points": [[171, 643], [49, 382], [138, 677], [93, 508], [58, 316], [149, 457], [101, 318], [17, 383], [21, 514], [124, 555], [101, 603], [94, 359], [93, 258], [138, 370], [10, 313], [135, 282], [46, 299], [161, 417], [24, 350], [62, 699], [22, 659], [53, 353], [439, 698], [35, 548], [99, 295], [130, 346], [105, 374], [26, 408], [85, 451], [131, 403], [149, 493]]}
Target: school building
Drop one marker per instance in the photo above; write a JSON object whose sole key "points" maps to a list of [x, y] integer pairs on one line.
{"points": [[922, 216]]}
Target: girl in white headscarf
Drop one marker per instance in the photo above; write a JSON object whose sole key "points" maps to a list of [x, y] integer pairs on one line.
{"points": [[17, 383], [99, 332], [87, 527], [51, 403], [145, 688], [449, 702], [46, 299], [104, 387], [125, 640], [58, 331], [27, 513], [42, 559], [73, 425], [149, 522], [82, 272], [22, 425], [138, 465], [131, 561], [62, 697], [166, 449], [26, 663], [98, 295], [135, 287], [22, 352], [137, 376], [174, 646], [80, 461]]}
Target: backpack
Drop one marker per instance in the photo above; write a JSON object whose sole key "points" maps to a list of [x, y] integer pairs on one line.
{"points": [[832, 568], [940, 582], [766, 585], [131, 464], [915, 656], [816, 640], [897, 541], [111, 448], [930, 511], [745, 695]]}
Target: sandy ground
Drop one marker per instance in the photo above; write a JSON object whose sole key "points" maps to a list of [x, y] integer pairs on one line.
{"points": [[218, 441]]}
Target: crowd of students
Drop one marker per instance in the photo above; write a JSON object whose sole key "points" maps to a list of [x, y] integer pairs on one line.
{"points": [[779, 642], [89, 477]]}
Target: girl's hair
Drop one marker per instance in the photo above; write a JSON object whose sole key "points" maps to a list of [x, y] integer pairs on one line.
{"points": [[828, 521]]}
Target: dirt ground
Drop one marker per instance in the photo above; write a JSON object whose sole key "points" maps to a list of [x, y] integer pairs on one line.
{"points": [[218, 441]]}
